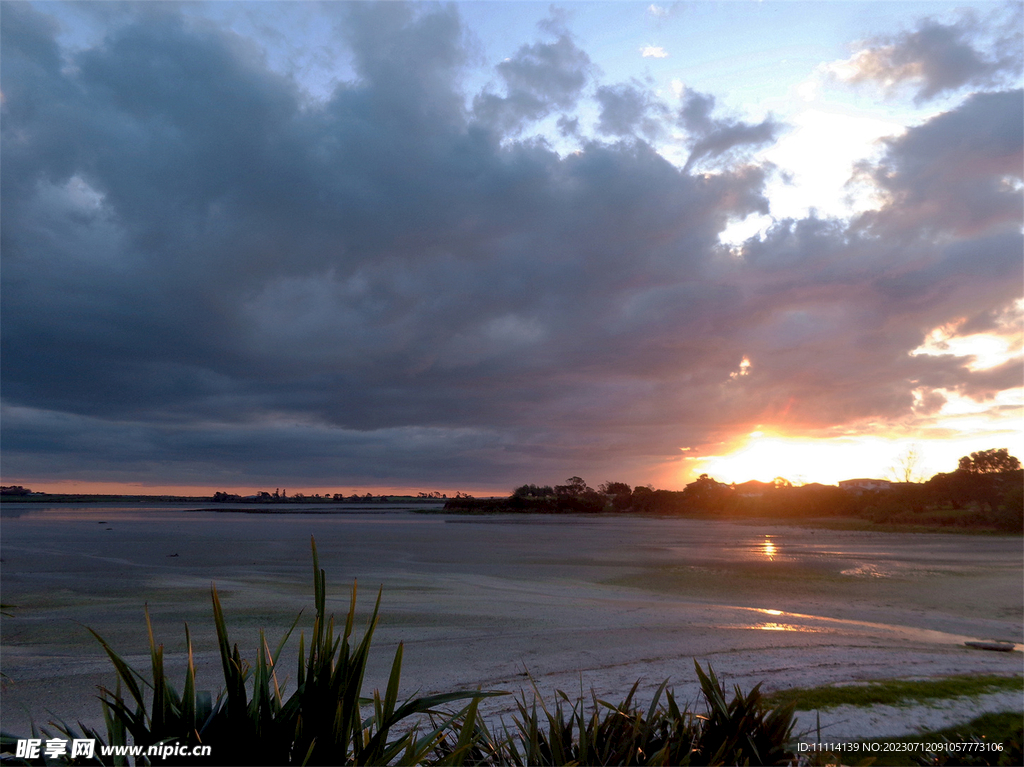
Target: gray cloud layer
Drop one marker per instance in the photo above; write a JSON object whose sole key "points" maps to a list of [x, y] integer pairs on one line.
{"points": [[207, 279], [937, 58]]}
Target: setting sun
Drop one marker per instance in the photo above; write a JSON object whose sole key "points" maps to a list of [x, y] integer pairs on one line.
{"points": [[763, 456]]}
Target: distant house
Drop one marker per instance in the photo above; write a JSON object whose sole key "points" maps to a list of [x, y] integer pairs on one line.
{"points": [[861, 485]]}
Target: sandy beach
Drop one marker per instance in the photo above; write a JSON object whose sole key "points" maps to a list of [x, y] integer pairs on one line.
{"points": [[491, 601]]}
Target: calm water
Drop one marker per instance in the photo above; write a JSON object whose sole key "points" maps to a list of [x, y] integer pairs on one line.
{"points": [[484, 600]]}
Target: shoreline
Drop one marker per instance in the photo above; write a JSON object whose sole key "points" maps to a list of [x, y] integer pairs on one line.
{"points": [[494, 507]]}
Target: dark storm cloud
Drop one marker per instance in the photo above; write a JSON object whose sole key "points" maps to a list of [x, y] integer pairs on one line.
{"points": [[83, 449], [628, 109], [936, 58], [953, 173], [538, 79], [839, 307], [712, 137], [209, 279]]}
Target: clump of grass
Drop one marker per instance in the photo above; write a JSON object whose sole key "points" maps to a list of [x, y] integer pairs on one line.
{"points": [[895, 692], [1005, 729], [611, 734], [741, 731]]}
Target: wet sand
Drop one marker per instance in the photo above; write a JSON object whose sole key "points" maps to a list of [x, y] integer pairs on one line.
{"points": [[596, 602]]}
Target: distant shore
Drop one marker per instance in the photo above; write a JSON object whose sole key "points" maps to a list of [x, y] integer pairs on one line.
{"points": [[70, 498], [961, 501], [958, 522]]}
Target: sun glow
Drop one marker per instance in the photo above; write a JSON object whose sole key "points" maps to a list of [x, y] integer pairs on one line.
{"points": [[961, 427], [764, 457], [982, 350]]}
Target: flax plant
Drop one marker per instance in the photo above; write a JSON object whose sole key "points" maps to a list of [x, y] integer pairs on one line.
{"points": [[743, 730]]}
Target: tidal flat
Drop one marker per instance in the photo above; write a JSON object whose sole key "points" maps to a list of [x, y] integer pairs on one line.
{"points": [[569, 602]]}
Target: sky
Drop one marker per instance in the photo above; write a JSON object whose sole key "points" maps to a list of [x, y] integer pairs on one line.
{"points": [[377, 247]]}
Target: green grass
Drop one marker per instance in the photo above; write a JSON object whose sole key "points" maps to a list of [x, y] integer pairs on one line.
{"points": [[894, 692], [1004, 728]]}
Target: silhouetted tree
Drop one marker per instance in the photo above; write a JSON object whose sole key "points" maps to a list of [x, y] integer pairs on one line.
{"points": [[615, 488], [905, 468], [706, 493], [573, 488], [642, 499], [995, 461], [533, 491], [621, 494]]}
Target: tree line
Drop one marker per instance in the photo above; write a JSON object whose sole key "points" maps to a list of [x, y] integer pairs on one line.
{"points": [[986, 490]]}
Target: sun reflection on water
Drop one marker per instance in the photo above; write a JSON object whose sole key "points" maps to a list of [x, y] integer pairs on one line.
{"points": [[768, 549], [785, 627], [776, 626]]}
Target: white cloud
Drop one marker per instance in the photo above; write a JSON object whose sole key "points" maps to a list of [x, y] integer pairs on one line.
{"points": [[809, 89], [653, 52], [982, 350], [936, 58]]}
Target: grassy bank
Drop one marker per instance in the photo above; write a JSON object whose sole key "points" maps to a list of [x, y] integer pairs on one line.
{"points": [[989, 739], [894, 692], [1002, 729]]}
